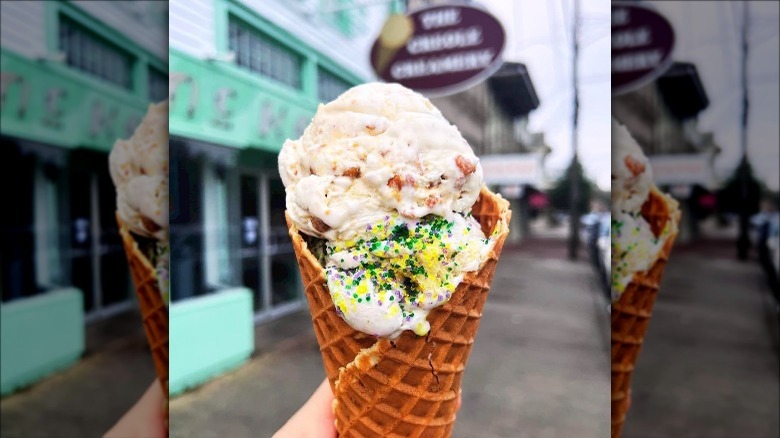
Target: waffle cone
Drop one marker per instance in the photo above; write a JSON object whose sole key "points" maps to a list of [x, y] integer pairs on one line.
{"points": [[631, 313], [407, 387], [153, 308]]}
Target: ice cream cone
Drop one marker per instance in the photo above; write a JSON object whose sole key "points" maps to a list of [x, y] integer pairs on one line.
{"points": [[153, 308], [632, 312], [408, 386]]}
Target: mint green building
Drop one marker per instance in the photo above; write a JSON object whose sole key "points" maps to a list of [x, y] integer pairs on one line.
{"points": [[75, 77], [244, 76]]}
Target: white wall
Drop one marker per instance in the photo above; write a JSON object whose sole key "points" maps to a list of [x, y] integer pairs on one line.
{"points": [[192, 28], [23, 24], [23, 28], [139, 21]]}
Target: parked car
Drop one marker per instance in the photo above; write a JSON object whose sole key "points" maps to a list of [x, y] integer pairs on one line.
{"points": [[595, 232], [604, 244], [766, 238], [773, 255]]}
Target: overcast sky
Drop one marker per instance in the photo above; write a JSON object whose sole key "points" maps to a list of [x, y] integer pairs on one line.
{"points": [[539, 35], [707, 34]]}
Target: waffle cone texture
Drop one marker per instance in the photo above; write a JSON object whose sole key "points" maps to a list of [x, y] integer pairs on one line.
{"points": [[632, 312], [153, 308], [407, 387]]}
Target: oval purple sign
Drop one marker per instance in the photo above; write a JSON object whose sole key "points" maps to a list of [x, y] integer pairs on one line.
{"points": [[642, 42], [439, 50]]}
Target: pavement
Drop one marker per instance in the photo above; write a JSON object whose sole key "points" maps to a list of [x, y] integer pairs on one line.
{"points": [[88, 398], [709, 364], [539, 367]]}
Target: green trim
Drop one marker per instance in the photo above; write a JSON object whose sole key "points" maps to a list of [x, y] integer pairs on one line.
{"points": [[141, 57], [221, 12], [78, 93], [53, 328], [254, 99], [209, 336], [51, 18], [291, 42], [251, 96], [97, 26]]}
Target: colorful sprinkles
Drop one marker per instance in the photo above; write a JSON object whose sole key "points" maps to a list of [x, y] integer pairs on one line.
{"points": [[401, 268]]}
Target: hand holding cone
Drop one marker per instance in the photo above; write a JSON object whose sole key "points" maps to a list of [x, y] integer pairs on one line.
{"points": [[632, 312], [153, 308], [408, 386]]}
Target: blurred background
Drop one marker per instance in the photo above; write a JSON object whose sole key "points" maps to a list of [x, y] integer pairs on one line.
{"points": [[710, 361], [76, 76], [246, 75]]}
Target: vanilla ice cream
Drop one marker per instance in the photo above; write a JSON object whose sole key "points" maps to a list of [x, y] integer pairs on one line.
{"points": [[634, 245], [388, 183], [139, 169]]}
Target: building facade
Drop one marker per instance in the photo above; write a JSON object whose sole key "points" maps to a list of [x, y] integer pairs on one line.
{"points": [[493, 117], [663, 118], [244, 77], [76, 76]]}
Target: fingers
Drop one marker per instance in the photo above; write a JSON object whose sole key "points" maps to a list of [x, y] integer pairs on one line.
{"points": [[314, 419], [320, 403], [145, 419]]}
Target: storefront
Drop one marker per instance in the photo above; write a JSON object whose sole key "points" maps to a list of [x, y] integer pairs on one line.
{"points": [[235, 99], [66, 97]]}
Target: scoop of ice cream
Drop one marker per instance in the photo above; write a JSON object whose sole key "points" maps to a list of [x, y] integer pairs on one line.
{"points": [[635, 246], [378, 148], [139, 168], [631, 173], [388, 183]]}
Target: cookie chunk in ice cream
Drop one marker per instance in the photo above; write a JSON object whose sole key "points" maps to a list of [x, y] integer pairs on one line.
{"points": [[387, 184]]}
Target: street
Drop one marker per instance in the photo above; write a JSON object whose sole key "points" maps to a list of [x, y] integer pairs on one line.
{"points": [[88, 398], [539, 367], [709, 363]]}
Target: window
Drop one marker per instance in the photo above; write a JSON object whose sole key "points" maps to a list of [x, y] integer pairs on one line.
{"points": [[186, 231], [329, 86], [158, 85], [260, 54], [17, 230], [94, 55], [215, 199]]}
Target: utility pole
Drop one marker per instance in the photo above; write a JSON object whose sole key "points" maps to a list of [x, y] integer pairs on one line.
{"points": [[574, 188], [743, 241]]}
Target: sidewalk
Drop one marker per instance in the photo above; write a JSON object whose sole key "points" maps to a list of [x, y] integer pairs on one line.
{"points": [[709, 365], [86, 399], [539, 367]]}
